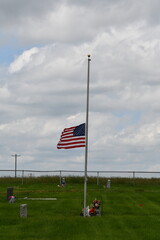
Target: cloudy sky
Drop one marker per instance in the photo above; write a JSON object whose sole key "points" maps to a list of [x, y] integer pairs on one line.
{"points": [[43, 76]]}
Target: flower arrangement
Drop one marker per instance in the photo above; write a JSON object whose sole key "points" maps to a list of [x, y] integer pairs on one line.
{"points": [[11, 199], [94, 209], [97, 203]]}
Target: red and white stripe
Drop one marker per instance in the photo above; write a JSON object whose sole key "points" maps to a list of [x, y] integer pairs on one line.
{"points": [[68, 140]]}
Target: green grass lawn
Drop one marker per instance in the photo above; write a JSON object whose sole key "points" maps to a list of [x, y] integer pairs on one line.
{"points": [[130, 210]]}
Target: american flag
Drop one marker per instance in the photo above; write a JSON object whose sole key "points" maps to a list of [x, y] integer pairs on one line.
{"points": [[73, 137]]}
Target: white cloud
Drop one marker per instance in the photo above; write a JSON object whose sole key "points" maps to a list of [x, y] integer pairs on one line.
{"points": [[23, 60], [19, 127]]}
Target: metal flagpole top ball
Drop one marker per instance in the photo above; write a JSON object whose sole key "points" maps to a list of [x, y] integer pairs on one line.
{"points": [[89, 57]]}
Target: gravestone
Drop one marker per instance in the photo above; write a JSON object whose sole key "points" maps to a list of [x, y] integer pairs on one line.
{"points": [[23, 210], [108, 183], [63, 183], [9, 192]]}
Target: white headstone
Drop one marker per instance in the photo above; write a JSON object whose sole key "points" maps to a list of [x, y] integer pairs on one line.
{"points": [[23, 210], [108, 183]]}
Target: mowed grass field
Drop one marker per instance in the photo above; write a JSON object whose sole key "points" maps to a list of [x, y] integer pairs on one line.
{"points": [[130, 209]]}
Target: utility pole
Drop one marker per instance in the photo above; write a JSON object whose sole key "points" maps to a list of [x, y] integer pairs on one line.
{"points": [[15, 156]]}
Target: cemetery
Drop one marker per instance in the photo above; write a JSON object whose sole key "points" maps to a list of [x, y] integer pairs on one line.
{"points": [[121, 208]]}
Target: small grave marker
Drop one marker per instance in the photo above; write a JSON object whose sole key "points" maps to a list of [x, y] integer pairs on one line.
{"points": [[47, 199], [108, 183], [23, 210]]}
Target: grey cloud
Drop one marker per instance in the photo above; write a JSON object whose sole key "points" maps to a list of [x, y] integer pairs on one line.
{"points": [[69, 21], [19, 9], [44, 88]]}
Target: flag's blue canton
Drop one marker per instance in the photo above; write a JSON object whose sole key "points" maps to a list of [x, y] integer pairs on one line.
{"points": [[79, 130]]}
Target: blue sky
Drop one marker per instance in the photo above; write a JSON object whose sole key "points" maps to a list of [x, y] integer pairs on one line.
{"points": [[43, 71], [8, 53]]}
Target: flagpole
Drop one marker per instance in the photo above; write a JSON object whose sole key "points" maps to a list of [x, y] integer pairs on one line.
{"points": [[86, 134]]}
